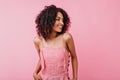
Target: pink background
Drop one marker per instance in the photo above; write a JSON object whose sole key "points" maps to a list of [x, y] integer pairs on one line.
{"points": [[95, 28]]}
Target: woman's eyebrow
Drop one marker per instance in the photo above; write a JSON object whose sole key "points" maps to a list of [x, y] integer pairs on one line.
{"points": [[59, 17]]}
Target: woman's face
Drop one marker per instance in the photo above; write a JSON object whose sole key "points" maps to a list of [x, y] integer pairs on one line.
{"points": [[57, 27]]}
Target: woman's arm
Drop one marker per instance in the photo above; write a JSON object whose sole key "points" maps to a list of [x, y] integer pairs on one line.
{"points": [[38, 66], [71, 48]]}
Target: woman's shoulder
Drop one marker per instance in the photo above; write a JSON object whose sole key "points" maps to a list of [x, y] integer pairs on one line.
{"points": [[37, 39], [67, 36]]}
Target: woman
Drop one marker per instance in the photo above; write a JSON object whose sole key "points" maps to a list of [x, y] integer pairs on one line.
{"points": [[54, 45]]}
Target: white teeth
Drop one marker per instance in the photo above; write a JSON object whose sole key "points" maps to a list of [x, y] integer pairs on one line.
{"points": [[60, 26]]}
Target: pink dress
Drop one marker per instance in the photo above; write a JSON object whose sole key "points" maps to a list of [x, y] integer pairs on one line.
{"points": [[54, 62]]}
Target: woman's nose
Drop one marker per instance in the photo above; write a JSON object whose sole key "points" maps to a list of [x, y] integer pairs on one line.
{"points": [[61, 21]]}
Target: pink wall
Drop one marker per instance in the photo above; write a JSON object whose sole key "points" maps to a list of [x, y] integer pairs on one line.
{"points": [[95, 27]]}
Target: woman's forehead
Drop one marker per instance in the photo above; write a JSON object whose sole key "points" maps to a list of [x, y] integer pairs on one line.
{"points": [[59, 15]]}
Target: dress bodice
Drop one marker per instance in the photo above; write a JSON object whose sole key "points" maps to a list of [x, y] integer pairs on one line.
{"points": [[54, 62]]}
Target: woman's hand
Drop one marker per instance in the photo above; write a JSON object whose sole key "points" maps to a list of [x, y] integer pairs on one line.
{"points": [[36, 77], [74, 79]]}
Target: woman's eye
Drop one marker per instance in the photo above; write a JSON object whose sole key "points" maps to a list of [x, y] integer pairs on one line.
{"points": [[58, 19]]}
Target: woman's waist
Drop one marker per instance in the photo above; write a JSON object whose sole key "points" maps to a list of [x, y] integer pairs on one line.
{"points": [[56, 70]]}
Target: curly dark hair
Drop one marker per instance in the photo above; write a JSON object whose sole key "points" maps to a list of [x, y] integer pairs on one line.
{"points": [[46, 19]]}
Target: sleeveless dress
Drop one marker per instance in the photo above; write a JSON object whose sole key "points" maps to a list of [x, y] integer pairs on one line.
{"points": [[54, 62]]}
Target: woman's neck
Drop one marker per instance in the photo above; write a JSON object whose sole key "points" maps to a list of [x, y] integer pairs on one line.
{"points": [[53, 35]]}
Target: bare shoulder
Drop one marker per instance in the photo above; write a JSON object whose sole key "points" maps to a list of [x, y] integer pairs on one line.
{"points": [[67, 36], [37, 40]]}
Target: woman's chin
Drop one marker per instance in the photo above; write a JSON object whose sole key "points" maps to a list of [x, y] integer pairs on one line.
{"points": [[59, 31]]}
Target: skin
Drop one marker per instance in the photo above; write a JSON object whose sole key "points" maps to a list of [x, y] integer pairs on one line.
{"points": [[54, 41]]}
